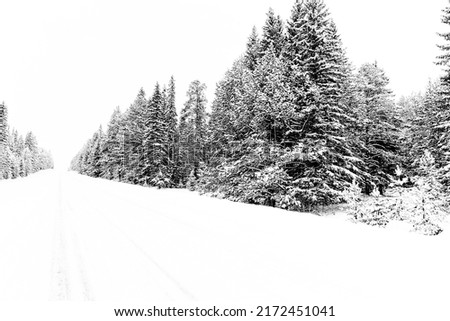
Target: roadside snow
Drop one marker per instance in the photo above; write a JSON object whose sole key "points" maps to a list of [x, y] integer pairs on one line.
{"points": [[69, 237]]}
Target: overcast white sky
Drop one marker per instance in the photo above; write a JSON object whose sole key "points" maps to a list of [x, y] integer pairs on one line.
{"points": [[65, 65]]}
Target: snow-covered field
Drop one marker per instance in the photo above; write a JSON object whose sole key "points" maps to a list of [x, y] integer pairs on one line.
{"points": [[69, 237]]}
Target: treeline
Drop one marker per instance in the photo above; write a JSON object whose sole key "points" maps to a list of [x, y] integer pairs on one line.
{"points": [[292, 125], [19, 157], [143, 145]]}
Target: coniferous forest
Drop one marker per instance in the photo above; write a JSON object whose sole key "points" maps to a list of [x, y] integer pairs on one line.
{"points": [[19, 157], [293, 125]]}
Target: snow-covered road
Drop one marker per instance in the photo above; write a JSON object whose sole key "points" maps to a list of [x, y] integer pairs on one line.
{"points": [[69, 237]]}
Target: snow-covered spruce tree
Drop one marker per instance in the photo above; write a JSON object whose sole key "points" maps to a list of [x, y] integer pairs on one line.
{"points": [[14, 160], [95, 155], [379, 124], [274, 108], [420, 115], [253, 51], [250, 116], [85, 166], [135, 147], [320, 161], [4, 170], [171, 127], [192, 131], [132, 132], [232, 108], [273, 37], [32, 146], [112, 152], [155, 141], [413, 134], [441, 130], [19, 158]]}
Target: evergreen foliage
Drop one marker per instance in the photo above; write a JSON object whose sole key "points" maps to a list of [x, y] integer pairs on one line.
{"points": [[440, 98], [273, 34], [378, 119], [292, 125], [193, 131], [140, 146], [19, 157]]}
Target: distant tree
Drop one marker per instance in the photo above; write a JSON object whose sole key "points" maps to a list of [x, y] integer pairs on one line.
{"points": [[4, 171], [19, 157], [3, 123], [94, 158]]}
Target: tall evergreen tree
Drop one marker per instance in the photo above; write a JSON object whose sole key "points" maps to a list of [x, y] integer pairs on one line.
{"points": [[19, 157], [274, 108], [171, 122], [444, 61], [112, 153], [32, 145], [321, 163], [441, 128], [193, 130], [379, 125], [413, 134], [155, 139], [273, 34], [253, 52], [132, 133], [95, 156], [3, 123], [3, 141]]}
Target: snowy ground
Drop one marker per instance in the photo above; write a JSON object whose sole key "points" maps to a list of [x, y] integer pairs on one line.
{"points": [[69, 237]]}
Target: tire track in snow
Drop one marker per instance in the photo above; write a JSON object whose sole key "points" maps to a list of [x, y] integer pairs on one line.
{"points": [[166, 275], [59, 287], [80, 266], [67, 254]]}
